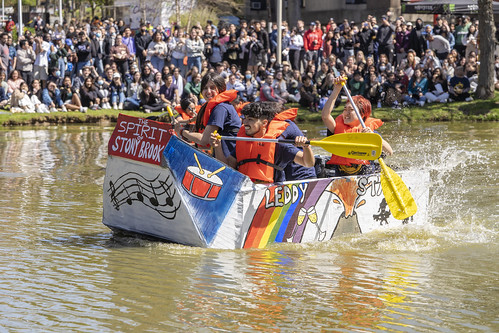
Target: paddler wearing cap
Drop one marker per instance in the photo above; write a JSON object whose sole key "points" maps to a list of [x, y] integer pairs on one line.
{"points": [[347, 122], [217, 114], [269, 162]]}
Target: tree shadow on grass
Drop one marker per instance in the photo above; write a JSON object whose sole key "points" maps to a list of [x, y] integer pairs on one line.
{"points": [[478, 108]]}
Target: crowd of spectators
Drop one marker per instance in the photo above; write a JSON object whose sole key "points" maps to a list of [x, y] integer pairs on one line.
{"points": [[104, 64]]}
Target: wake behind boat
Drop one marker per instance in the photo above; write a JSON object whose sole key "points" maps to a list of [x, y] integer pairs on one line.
{"points": [[160, 186]]}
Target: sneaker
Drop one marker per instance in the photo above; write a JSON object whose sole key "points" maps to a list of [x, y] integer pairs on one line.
{"points": [[147, 110], [469, 99], [443, 101], [379, 105], [405, 104], [94, 107], [64, 109], [421, 103], [120, 106], [83, 109], [115, 106], [53, 110]]}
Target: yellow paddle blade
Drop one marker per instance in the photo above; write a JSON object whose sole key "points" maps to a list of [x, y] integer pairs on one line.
{"points": [[397, 195], [361, 146], [170, 113]]}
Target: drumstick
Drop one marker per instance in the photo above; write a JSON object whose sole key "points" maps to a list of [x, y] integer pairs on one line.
{"points": [[201, 171], [215, 172]]}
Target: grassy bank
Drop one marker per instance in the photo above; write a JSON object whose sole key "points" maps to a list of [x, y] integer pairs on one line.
{"points": [[476, 110]]}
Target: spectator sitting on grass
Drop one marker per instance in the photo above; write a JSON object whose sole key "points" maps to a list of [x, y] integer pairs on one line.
{"points": [[267, 92], [437, 87], [51, 97], [392, 93], [149, 100], [356, 84], [418, 87], [373, 90], [459, 86], [308, 94]]}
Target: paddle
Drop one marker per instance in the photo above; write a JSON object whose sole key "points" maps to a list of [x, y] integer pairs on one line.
{"points": [[397, 195], [170, 113], [364, 146]]}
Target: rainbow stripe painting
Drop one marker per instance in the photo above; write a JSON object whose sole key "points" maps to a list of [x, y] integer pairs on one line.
{"points": [[284, 213]]}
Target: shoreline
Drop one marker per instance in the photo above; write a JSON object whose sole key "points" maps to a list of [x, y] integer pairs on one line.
{"points": [[476, 110]]}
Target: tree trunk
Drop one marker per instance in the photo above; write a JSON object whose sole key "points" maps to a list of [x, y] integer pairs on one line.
{"points": [[177, 11], [190, 15], [487, 40]]}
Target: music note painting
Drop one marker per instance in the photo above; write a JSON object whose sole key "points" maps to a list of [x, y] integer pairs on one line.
{"points": [[154, 193]]}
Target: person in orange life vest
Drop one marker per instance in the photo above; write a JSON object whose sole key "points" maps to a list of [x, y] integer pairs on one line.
{"points": [[347, 122], [187, 111], [239, 104], [264, 162], [217, 114]]}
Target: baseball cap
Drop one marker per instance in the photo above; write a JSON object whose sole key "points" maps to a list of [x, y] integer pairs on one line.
{"points": [[409, 23], [116, 75], [312, 23]]}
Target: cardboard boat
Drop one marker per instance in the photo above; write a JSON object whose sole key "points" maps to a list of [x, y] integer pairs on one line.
{"points": [[160, 186]]}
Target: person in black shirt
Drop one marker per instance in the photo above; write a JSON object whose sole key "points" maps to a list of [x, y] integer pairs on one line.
{"points": [[83, 51], [142, 41]]}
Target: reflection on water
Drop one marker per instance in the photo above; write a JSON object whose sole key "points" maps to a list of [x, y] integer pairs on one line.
{"points": [[62, 270]]}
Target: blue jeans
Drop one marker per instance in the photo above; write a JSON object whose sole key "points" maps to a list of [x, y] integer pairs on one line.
{"points": [[117, 97], [194, 61], [62, 67], [82, 64], [179, 63], [99, 66], [133, 102], [158, 63], [410, 100]]}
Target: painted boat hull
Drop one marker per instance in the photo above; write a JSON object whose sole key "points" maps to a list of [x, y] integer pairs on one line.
{"points": [[193, 199]]}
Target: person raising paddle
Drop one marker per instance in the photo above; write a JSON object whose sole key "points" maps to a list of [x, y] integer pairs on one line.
{"points": [[347, 122], [217, 114], [266, 162]]}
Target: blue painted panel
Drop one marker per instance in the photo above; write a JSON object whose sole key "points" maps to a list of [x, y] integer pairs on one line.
{"points": [[206, 186]]}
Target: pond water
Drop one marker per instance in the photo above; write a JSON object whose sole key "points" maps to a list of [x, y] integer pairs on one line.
{"points": [[61, 269]]}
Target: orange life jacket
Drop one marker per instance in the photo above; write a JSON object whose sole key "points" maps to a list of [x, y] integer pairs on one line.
{"points": [[240, 106], [226, 96], [341, 127], [184, 114], [256, 159]]}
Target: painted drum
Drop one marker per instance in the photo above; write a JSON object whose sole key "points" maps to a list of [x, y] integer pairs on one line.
{"points": [[201, 184]]}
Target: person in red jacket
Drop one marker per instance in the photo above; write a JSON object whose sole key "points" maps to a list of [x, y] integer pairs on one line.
{"points": [[347, 122], [312, 42]]}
